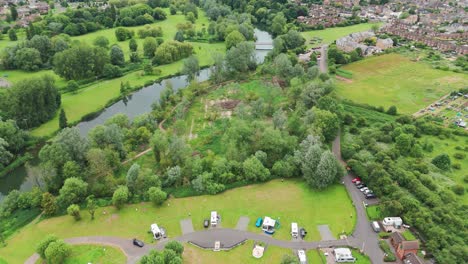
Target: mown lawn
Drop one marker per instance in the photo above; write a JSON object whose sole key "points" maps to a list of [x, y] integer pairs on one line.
{"points": [[95, 254], [241, 254], [329, 35], [374, 213], [315, 256], [288, 201], [408, 235], [392, 79]]}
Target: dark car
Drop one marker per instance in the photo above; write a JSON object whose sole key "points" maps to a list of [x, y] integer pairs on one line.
{"points": [[359, 186], [370, 196], [302, 232], [206, 223], [138, 243]]}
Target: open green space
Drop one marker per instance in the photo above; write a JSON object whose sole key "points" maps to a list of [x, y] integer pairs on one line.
{"points": [[360, 258], [96, 254], [241, 254], [374, 213], [288, 201], [329, 35], [392, 79], [315, 256]]}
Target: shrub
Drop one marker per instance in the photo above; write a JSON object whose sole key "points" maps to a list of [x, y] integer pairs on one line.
{"points": [[459, 155], [74, 210], [465, 179], [458, 189], [384, 235], [389, 256], [456, 166], [442, 161]]}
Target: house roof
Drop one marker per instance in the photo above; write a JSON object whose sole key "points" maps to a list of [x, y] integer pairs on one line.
{"points": [[411, 258], [397, 237], [409, 245]]}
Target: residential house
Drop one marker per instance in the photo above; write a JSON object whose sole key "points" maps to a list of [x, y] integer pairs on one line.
{"points": [[402, 246]]}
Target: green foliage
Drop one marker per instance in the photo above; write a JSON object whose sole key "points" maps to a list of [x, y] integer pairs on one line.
{"points": [[156, 195], [120, 197], [254, 170], [191, 67], [32, 101], [74, 211], [171, 51], [62, 119], [80, 62], [101, 41], [392, 110], [234, 38], [44, 244], [57, 252], [74, 190], [48, 204], [176, 246], [389, 256], [117, 56], [442, 161]]}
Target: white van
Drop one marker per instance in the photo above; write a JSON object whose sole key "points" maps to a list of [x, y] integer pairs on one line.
{"points": [[156, 231], [302, 256], [294, 230], [375, 225], [214, 218]]}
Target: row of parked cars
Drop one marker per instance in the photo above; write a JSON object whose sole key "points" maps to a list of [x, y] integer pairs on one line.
{"points": [[368, 193]]}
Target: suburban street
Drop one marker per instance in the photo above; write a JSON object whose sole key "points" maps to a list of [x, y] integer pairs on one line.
{"points": [[363, 236]]}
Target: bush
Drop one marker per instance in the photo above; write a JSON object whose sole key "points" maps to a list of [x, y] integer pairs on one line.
{"points": [[458, 189], [465, 179], [456, 166], [389, 256], [459, 155], [442, 161], [42, 246], [384, 235]]}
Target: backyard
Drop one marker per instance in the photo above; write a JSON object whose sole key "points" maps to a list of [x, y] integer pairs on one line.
{"points": [[316, 38], [288, 201], [392, 79]]}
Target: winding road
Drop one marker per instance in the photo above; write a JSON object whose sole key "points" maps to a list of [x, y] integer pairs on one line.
{"points": [[363, 236]]}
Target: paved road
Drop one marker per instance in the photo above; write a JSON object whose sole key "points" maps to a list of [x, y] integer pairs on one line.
{"points": [[323, 59], [363, 236]]}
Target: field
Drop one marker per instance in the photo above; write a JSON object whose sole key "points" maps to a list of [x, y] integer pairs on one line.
{"points": [[286, 201], [392, 79], [241, 254], [96, 254], [329, 35]]}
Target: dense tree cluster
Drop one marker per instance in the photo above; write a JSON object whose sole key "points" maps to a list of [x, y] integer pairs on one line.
{"points": [[31, 102], [172, 254], [390, 159]]}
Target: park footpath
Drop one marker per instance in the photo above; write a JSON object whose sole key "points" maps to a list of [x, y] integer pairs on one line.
{"points": [[363, 237]]}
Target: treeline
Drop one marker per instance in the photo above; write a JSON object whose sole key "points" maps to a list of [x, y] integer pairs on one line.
{"points": [[390, 158]]}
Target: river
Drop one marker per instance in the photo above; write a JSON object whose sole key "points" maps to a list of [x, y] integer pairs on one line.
{"points": [[139, 102]]}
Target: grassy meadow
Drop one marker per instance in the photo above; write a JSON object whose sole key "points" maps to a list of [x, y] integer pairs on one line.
{"points": [[288, 201], [392, 79], [329, 35]]}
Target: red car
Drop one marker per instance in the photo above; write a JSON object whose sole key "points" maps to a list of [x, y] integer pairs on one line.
{"points": [[356, 179]]}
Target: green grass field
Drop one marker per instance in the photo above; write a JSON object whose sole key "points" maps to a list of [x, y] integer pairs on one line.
{"points": [[374, 213], [329, 35], [241, 254], [95, 254], [408, 235], [392, 79], [288, 201]]}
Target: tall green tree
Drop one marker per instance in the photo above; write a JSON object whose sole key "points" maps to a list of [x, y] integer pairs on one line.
{"points": [[13, 12], [133, 45], [63, 123], [234, 38], [32, 101], [80, 62], [120, 197], [12, 35], [117, 56], [74, 211], [191, 67], [91, 205], [149, 47]]}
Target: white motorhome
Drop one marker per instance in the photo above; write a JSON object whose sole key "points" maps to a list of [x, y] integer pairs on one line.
{"points": [[397, 222], [294, 230], [214, 218], [268, 225], [302, 256], [156, 231], [343, 255]]}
